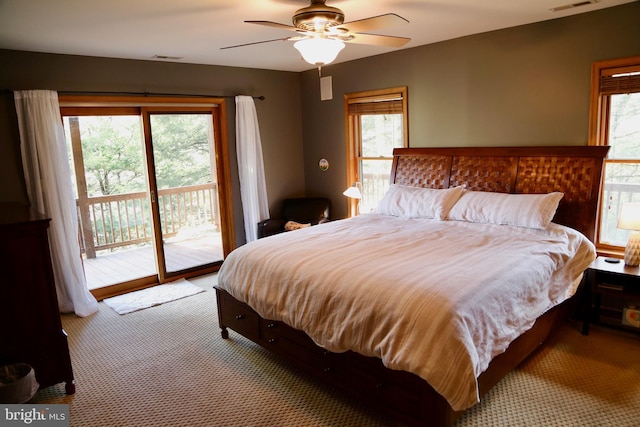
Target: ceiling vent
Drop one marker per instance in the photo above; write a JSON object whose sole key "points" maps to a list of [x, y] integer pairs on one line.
{"points": [[572, 5], [167, 57]]}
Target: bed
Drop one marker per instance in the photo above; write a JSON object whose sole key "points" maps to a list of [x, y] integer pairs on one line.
{"points": [[422, 306]]}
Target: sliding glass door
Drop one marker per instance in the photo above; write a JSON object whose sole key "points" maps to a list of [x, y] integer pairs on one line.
{"points": [[186, 190], [152, 201]]}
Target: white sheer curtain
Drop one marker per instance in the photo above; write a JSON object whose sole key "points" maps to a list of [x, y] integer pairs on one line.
{"points": [[48, 178], [253, 187]]}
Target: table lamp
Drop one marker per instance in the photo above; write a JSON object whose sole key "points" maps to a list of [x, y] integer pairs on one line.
{"points": [[354, 193], [629, 219]]}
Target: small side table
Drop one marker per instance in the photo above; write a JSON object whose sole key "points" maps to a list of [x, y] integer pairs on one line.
{"points": [[617, 283]]}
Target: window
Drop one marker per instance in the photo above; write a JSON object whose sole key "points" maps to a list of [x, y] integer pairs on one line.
{"points": [[615, 121], [376, 123]]}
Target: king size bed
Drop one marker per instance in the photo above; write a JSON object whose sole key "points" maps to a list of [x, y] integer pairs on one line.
{"points": [[420, 307]]}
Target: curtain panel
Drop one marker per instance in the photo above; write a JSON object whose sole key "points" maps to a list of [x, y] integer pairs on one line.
{"points": [[48, 179], [253, 187]]}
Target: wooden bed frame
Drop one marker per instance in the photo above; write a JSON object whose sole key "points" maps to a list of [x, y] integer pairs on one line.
{"points": [[575, 171]]}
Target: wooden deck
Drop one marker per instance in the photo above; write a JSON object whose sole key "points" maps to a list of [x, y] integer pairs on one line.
{"points": [[121, 266]]}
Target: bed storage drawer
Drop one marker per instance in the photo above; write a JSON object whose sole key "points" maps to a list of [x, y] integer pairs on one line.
{"points": [[284, 340], [378, 385], [237, 316]]}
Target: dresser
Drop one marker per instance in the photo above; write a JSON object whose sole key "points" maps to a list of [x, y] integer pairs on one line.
{"points": [[30, 326]]}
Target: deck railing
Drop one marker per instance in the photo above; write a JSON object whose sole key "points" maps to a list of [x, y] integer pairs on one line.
{"points": [[108, 222], [614, 195], [374, 186]]}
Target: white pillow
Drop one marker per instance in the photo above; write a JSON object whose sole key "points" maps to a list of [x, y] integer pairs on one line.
{"points": [[414, 202], [522, 210]]}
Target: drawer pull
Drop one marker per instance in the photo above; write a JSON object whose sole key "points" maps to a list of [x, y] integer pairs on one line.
{"points": [[240, 316], [327, 370], [272, 340], [271, 325], [380, 386]]}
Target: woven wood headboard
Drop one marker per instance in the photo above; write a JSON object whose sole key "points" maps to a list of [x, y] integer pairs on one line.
{"points": [[574, 171]]}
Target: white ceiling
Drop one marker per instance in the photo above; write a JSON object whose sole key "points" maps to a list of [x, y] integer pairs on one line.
{"points": [[195, 30]]}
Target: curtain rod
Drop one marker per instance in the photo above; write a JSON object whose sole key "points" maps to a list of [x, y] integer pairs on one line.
{"points": [[66, 92]]}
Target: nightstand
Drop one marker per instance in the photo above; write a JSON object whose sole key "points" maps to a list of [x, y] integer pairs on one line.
{"points": [[612, 290]]}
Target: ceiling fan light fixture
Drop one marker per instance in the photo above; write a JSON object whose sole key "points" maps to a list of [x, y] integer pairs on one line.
{"points": [[319, 50]]}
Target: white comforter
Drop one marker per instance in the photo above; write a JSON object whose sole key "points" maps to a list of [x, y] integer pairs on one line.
{"points": [[436, 298]]}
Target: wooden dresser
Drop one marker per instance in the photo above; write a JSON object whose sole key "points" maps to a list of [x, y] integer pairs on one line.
{"points": [[30, 326]]}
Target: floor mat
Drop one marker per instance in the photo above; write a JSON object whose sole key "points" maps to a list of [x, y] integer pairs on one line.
{"points": [[150, 297]]}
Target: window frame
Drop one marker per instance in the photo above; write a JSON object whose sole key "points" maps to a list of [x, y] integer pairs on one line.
{"points": [[354, 132], [599, 115]]}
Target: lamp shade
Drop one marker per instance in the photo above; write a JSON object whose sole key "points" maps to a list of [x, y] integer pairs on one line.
{"points": [[629, 218], [353, 191], [319, 50]]}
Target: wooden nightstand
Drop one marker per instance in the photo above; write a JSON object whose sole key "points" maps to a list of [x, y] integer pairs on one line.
{"points": [[611, 288]]}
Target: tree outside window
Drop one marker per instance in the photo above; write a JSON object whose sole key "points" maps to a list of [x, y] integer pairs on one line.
{"points": [[622, 168]]}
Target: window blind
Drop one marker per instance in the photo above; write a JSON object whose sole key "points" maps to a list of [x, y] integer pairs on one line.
{"points": [[620, 81], [387, 104]]}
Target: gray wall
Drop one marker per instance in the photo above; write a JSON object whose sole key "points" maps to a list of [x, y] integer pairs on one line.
{"points": [[12, 186], [279, 114], [526, 85]]}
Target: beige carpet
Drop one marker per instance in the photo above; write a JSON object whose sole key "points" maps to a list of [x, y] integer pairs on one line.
{"points": [[168, 366]]}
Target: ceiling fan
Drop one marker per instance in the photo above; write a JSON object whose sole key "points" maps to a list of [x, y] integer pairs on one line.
{"points": [[322, 32]]}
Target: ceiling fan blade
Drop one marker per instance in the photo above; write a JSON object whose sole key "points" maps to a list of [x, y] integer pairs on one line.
{"points": [[264, 41], [374, 39], [274, 25], [374, 23]]}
